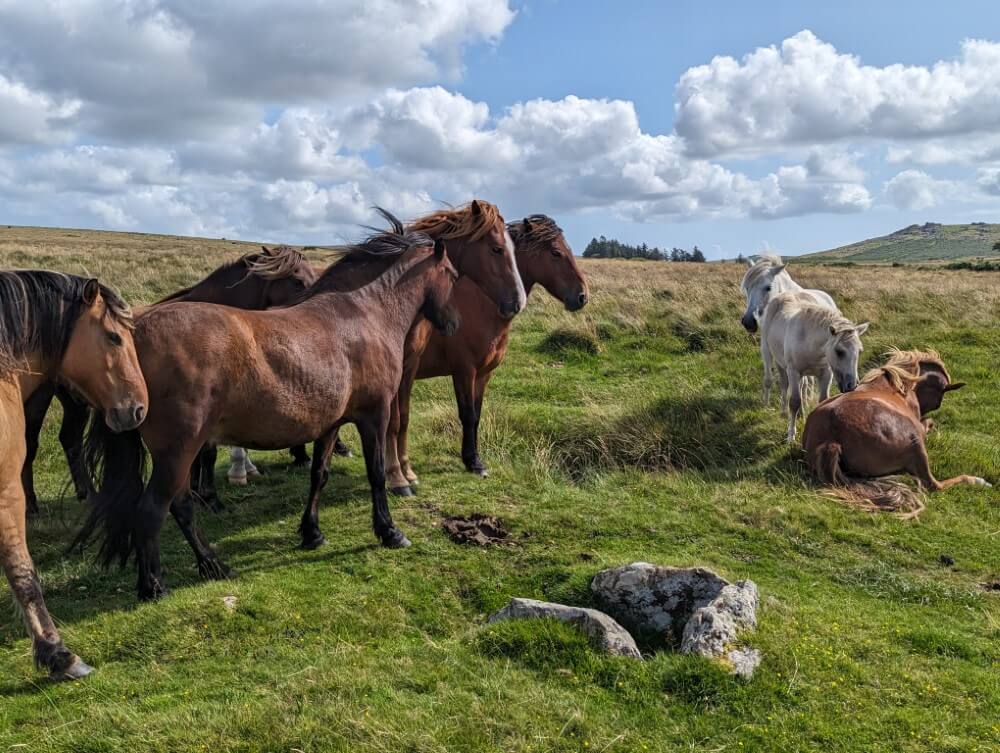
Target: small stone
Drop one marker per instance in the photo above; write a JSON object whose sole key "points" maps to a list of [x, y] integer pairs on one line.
{"points": [[743, 661], [610, 637], [229, 602]]}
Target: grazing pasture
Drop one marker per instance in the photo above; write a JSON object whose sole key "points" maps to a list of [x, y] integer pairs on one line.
{"points": [[630, 430]]}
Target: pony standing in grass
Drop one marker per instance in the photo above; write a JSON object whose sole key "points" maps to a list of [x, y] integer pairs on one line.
{"points": [[76, 331], [803, 339], [768, 277], [878, 430]]}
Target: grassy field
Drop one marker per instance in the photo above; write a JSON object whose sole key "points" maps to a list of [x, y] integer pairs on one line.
{"points": [[919, 243], [629, 431]]}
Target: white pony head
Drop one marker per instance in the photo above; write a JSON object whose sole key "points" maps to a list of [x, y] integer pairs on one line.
{"points": [[843, 346], [765, 277]]}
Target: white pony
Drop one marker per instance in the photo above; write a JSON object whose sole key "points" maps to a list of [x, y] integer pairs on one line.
{"points": [[766, 278], [802, 339]]}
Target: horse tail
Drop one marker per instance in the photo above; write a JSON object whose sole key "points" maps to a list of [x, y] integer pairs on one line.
{"points": [[116, 465], [871, 494]]}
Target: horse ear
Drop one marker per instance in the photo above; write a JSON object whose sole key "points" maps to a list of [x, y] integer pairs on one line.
{"points": [[862, 328], [91, 289], [439, 249], [833, 330], [749, 262], [780, 269], [477, 209], [527, 225], [954, 386]]}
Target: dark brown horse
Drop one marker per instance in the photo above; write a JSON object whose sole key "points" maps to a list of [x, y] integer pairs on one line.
{"points": [[77, 332], [267, 380], [853, 439], [266, 278], [478, 348]]}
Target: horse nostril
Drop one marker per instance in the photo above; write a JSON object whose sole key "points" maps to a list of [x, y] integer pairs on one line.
{"points": [[139, 413], [582, 299]]}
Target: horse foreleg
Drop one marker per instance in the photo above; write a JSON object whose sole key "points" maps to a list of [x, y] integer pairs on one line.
{"points": [[373, 437], [209, 564], [35, 408], [319, 474], [825, 378], [794, 380], [203, 477], [299, 455], [765, 356], [403, 430], [783, 387], [465, 394], [74, 424], [168, 481], [47, 646], [919, 465]]}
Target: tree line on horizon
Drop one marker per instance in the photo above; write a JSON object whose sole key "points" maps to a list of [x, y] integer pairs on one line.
{"points": [[605, 248]]}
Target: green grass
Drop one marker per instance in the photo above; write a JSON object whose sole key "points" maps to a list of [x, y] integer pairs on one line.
{"points": [[919, 243], [628, 431]]}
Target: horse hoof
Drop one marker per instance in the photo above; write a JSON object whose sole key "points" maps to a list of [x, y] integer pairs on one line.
{"points": [[153, 593], [981, 482], [254, 473], [75, 671], [313, 542], [215, 570], [240, 480], [401, 491], [396, 540]]}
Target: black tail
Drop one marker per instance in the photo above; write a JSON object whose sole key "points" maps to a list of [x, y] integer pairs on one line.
{"points": [[116, 465]]}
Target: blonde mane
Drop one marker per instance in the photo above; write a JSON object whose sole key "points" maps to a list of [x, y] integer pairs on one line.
{"points": [[761, 268], [903, 368], [274, 263], [459, 222]]}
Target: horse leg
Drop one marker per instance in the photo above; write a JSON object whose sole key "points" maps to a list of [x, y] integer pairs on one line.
{"points": [[299, 454], [203, 477], [319, 474], [825, 378], [340, 449], [783, 386], [47, 646], [794, 380], [167, 482], [74, 424], [373, 436], [765, 355], [403, 434], [209, 564], [919, 465], [398, 483], [35, 408], [237, 473], [465, 394]]}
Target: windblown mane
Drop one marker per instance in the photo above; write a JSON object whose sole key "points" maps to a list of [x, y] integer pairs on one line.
{"points": [[459, 222], [38, 310], [759, 270], [543, 230], [370, 258], [903, 368]]}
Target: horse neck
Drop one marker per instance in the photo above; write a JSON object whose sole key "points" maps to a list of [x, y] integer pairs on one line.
{"points": [[783, 283], [232, 285]]}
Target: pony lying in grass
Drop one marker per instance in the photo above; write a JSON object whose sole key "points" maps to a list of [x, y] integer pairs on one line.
{"points": [[879, 429], [803, 339]]}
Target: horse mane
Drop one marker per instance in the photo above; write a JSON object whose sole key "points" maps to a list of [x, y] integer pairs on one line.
{"points": [[760, 269], [382, 247], [903, 368], [38, 309], [459, 222], [543, 230]]}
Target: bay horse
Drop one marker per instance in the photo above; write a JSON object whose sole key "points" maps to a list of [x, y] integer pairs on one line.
{"points": [[879, 429], [77, 332], [478, 347], [259, 280], [803, 339], [267, 380]]}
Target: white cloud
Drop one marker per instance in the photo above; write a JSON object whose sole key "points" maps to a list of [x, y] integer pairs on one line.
{"points": [[915, 189], [31, 117], [805, 92]]}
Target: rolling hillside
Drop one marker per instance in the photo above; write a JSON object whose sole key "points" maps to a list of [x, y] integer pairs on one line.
{"points": [[919, 243]]}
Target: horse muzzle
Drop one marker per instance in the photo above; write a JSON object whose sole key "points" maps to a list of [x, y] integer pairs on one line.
{"points": [[847, 383], [510, 308], [126, 416], [749, 322], [575, 302]]}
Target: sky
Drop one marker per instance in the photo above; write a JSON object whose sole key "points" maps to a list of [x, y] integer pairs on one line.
{"points": [[739, 127]]}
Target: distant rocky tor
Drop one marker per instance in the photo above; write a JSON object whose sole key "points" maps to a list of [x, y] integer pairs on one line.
{"points": [[692, 610]]}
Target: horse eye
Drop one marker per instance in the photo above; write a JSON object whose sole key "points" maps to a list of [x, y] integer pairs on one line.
{"points": [[114, 338], [840, 352], [556, 253], [767, 289], [498, 249]]}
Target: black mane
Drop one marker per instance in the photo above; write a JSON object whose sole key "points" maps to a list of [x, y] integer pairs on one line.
{"points": [[543, 230], [38, 310]]}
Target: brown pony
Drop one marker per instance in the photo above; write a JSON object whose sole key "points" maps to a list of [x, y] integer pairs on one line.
{"points": [[878, 429], [266, 278], [74, 330], [267, 379], [478, 348]]}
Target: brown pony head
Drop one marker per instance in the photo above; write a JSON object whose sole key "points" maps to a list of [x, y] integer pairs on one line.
{"points": [[481, 248], [544, 257], [920, 372], [285, 273], [80, 332]]}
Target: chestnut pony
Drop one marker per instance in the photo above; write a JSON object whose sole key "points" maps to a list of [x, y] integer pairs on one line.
{"points": [[266, 278], [77, 332], [878, 429], [480, 344], [266, 379]]}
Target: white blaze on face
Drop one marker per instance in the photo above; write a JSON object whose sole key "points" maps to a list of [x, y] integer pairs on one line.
{"points": [[522, 297]]}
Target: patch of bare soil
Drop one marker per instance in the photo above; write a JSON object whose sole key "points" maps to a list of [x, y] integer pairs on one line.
{"points": [[477, 529]]}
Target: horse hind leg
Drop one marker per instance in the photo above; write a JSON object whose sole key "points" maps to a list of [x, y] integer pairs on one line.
{"points": [[319, 474], [209, 564], [237, 473], [919, 465], [794, 403], [47, 645]]}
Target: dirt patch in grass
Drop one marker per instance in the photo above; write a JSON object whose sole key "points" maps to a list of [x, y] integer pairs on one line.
{"points": [[477, 529]]}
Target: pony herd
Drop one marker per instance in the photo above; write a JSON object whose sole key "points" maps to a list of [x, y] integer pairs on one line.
{"points": [[874, 428], [265, 353]]}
